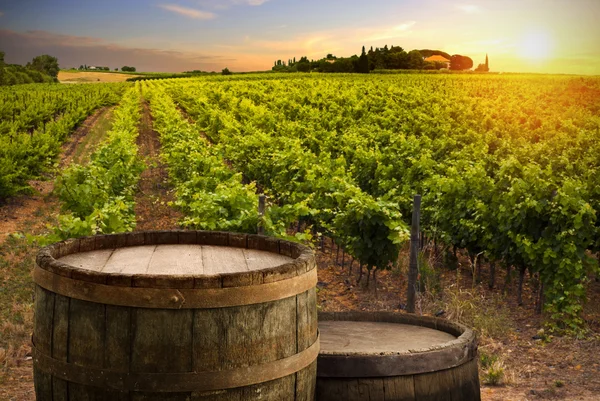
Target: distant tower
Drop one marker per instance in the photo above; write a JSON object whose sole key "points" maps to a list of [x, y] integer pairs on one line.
{"points": [[487, 65]]}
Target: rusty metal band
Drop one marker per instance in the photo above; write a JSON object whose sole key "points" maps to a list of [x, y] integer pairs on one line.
{"points": [[172, 298], [176, 382]]}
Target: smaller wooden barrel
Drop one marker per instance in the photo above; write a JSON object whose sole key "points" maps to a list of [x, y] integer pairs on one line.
{"points": [[387, 356], [175, 315]]}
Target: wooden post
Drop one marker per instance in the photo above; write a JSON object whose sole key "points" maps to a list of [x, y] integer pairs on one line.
{"points": [[413, 267], [261, 213]]}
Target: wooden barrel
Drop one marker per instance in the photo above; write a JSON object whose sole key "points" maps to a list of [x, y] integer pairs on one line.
{"points": [[379, 356], [175, 315]]}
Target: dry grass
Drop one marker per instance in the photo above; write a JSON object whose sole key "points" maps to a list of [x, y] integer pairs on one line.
{"points": [[91, 77]]}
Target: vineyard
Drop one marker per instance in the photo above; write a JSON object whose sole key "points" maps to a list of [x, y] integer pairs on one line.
{"points": [[508, 167]]}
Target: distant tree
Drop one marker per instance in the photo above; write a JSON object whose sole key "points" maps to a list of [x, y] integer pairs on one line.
{"points": [[226, 71], [128, 69], [415, 60], [459, 63], [484, 67], [303, 66], [363, 62], [117, 69], [428, 53], [2, 75], [45, 64], [330, 57]]}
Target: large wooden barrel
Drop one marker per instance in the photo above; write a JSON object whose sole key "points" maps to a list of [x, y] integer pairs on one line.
{"points": [[379, 356], [175, 315]]}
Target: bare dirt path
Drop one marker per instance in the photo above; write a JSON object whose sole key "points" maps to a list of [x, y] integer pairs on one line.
{"points": [[31, 215], [152, 208]]}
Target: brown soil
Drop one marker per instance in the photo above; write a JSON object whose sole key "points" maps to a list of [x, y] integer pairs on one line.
{"points": [[152, 208], [73, 77], [77, 143]]}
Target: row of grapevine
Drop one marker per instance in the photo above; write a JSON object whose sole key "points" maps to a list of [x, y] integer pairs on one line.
{"points": [[508, 166], [98, 197], [211, 195], [36, 120]]}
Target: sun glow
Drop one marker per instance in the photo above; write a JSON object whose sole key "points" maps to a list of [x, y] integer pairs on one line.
{"points": [[537, 46]]}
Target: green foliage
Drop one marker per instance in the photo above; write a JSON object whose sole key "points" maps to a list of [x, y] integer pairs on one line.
{"points": [[128, 69], [98, 198], [487, 360], [492, 368], [35, 120], [226, 71], [371, 230], [211, 195], [45, 64]]}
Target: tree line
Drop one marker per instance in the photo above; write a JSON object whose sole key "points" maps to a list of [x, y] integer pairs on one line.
{"points": [[85, 67], [41, 69], [392, 58]]}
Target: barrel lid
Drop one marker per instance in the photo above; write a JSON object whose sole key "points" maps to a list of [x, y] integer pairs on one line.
{"points": [[377, 338], [177, 259]]}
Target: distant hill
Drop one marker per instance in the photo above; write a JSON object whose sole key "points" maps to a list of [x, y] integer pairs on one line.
{"points": [[428, 53]]}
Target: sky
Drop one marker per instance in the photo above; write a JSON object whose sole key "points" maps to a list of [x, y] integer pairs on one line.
{"points": [[546, 36]]}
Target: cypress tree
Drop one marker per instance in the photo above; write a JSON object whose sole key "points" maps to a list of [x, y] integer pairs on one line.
{"points": [[363, 62]]}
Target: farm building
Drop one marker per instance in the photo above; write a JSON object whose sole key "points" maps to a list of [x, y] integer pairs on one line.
{"points": [[438, 59]]}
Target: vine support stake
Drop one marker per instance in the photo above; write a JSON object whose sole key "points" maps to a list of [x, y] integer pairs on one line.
{"points": [[413, 267], [261, 214]]}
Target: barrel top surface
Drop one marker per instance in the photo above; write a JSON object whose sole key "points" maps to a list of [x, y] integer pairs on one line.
{"points": [[175, 259], [360, 337]]}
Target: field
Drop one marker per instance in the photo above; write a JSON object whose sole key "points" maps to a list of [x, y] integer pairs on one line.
{"points": [[72, 77], [508, 167]]}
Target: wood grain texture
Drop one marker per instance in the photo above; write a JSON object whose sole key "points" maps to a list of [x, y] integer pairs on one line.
{"points": [[128, 340], [60, 341], [86, 345], [42, 337], [175, 259]]}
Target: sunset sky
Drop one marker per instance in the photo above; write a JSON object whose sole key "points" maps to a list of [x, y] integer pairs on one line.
{"points": [[550, 36]]}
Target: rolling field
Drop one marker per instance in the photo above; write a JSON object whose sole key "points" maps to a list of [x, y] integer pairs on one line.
{"points": [[73, 77]]}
